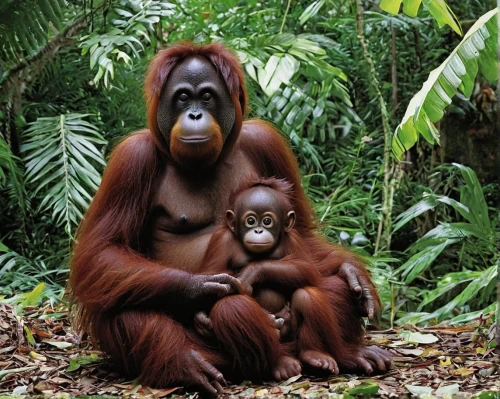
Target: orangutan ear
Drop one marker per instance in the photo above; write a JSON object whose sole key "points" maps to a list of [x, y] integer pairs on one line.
{"points": [[290, 221], [231, 220]]}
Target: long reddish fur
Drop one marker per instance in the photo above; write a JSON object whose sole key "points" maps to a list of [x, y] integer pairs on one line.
{"points": [[316, 326], [110, 277]]}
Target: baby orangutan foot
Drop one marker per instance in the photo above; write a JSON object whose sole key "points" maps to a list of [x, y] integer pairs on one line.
{"points": [[277, 323], [319, 360], [203, 325], [286, 368]]}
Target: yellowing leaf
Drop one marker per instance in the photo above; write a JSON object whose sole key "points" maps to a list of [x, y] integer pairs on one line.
{"points": [[446, 362], [37, 356], [432, 352], [481, 351], [462, 371]]}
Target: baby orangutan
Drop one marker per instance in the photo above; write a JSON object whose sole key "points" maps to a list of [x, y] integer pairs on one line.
{"points": [[261, 248]]}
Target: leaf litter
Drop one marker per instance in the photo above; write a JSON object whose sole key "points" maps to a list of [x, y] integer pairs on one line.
{"points": [[40, 354]]}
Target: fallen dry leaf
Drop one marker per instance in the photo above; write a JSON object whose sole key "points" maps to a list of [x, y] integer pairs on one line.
{"points": [[462, 371]]}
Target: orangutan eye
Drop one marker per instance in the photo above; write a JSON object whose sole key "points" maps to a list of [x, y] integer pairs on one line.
{"points": [[183, 97], [206, 97], [267, 221], [251, 221]]}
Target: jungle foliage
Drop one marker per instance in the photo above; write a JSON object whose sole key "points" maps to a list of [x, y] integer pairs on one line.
{"points": [[339, 80]]}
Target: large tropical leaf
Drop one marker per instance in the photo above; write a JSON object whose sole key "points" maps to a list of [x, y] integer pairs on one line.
{"points": [[24, 26], [437, 8], [60, 155], [285, 55], [302, 90], [476, 52]]}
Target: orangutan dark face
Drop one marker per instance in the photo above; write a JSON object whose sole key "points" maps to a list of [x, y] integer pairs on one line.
{"points": [[196, 114]]}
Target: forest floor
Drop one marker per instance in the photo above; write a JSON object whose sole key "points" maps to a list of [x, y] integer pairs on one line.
{"points": [[40, 354]]}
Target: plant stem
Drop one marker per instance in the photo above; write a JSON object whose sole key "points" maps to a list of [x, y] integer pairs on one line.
{"points": [[390, 168], [284, 17], [394, 72]]}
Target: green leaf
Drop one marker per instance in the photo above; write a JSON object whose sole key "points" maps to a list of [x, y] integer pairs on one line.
{"points": [[471, 316], [31, 298], [391, 6], [59, 344], [410, 7], [473, 289], [472, 196], [279, 69], [27, 22], [3, 373], [3, 248], [419, 262], [477, 51], [447, 283], [455, 232], [311, 11], [82, 360], [365, 388], [415, 337], [29, 336], [441, 12]]}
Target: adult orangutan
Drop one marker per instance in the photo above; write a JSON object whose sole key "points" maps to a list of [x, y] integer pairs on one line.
{"points": [[137, 260]]}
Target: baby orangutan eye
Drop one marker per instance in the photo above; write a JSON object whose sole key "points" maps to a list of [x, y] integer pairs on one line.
{"points": [[183, 97], [250, 222], [206, 97], [267, 221]]}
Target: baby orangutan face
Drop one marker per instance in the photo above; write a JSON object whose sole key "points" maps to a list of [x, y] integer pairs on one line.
{"points": [[260, 219]]}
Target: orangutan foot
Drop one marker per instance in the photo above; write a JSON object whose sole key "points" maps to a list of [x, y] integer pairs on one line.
{"points": [[319, 360], [286, 368]]}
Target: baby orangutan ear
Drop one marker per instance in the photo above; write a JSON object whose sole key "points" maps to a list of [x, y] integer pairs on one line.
{"points": [[231, 220], [290, 221]]}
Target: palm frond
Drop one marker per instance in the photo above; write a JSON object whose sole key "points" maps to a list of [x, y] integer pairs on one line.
{"points": [[60, 153], [24, 26]]}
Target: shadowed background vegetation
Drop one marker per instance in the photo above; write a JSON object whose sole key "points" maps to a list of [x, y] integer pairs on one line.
{"points": [[336, 77]]}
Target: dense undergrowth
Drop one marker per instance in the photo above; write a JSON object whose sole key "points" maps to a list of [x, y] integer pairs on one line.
{"points": [[433, 259]]}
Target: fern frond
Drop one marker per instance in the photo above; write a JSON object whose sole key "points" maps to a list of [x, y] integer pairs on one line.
{"points": [[60, 155]]}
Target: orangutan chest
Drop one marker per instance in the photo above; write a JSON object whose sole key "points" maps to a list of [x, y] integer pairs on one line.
{"points": [[183, 206], [190, 203], [185, 212]]}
